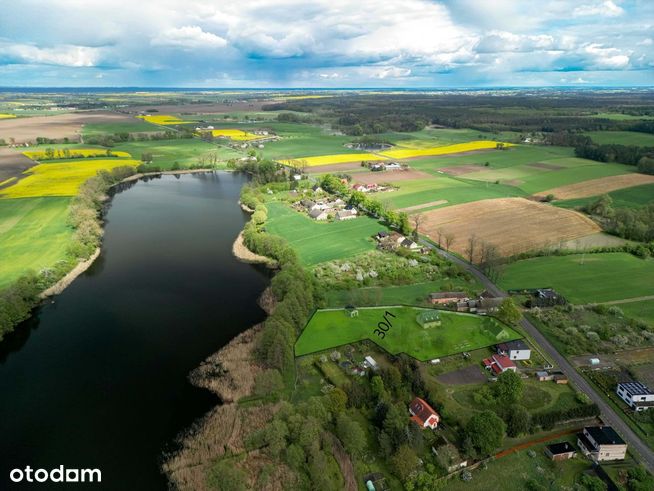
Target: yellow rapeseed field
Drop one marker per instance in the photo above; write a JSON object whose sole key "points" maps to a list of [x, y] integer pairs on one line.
{"points": [[342, 158], [7, 116], [236, 135], [67, 153], [407, 153], [7, 181], [162, 119], [60, 179]]}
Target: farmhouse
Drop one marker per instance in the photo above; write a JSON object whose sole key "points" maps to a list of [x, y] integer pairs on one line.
{"points": [[423, 414], [636, 395], [429, 318], [409, 244], [601, 443], [499, 364], [444, 298], [560, 451], [515, 350], [346, 214], [318, 214]]}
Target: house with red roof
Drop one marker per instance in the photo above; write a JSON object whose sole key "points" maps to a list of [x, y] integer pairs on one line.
{"points": [[423, 414], [499, 364]]}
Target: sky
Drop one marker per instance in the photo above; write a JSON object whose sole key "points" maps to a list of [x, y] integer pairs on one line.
{"points": [[326, 43]]}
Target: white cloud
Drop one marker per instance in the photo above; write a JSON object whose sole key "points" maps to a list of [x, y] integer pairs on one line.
{"points": [[73, 56], [391, 72], [189, 37], [646, 42], [604, 9]]}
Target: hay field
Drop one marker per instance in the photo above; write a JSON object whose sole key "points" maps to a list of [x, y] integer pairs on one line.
{"points": [[513, 225], [331, 159], [60, 179], [409, 153], [66, 153], [236, 135], [595, 187]]}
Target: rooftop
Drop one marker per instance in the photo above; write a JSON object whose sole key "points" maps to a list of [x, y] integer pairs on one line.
{"points": [[604, 435], [636, 388], [560, 448]]}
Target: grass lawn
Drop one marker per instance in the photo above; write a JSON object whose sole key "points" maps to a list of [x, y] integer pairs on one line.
{"points": [[643, 310], [185, 152], [622, 138], [459, 332], [584, 278], [415, 294], [316, 242], [622, 198], [514, 470], [34, 234]]}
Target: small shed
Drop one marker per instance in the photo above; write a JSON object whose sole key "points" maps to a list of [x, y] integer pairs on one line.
{"points": [[560, 451], [429, 318], [594, 361]]}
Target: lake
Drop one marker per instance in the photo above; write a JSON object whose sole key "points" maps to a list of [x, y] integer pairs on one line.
{"points": [[98, 377]]}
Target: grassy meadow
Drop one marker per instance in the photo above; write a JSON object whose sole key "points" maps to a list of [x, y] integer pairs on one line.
{"points": [[136, 126], [317, 242], [633, 197], [165, 153], [34, 234], [584, 278], [458, 332], [622, 138]]}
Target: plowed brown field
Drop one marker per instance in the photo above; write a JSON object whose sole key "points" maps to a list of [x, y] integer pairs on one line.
{"points": [[599, 186], [513, 225]]}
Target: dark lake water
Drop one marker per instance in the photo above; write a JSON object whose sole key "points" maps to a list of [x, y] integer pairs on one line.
{"points": [[98, 379]]}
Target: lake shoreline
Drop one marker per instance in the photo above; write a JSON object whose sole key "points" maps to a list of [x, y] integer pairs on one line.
{"points": [[85, 264]]}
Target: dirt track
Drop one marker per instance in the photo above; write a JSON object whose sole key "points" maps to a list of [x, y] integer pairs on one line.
{"points": [[513, 225], [26, 130], [595, 187]]}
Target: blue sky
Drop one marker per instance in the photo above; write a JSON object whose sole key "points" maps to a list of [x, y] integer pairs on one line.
{"points": [[326, 43]]}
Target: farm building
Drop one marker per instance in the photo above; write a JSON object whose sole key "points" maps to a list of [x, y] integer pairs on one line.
{"points": [[409, 244], [515, 350], [636, 395], [346, 214], [392, 166], [444, 298], [318, 214], [499, 364], [423, 414], [560, 451], [429, 318], [560, 378], [370, 361], [601, 443], [544, 376]]}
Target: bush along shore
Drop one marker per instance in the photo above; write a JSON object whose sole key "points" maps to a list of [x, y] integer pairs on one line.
{"points": [[250, 375], [85, 216]]}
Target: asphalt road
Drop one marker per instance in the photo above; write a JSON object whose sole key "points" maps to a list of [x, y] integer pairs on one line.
{"points": [[609, 416]]}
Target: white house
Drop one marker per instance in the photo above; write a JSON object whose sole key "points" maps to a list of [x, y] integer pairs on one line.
{"points": [[393, 166], [318, 214], [346, 214], [636, 395], [601, 443], [515, 350]]}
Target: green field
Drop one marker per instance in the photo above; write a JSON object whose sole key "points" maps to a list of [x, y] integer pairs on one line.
{"points": [[643, 310], [454, 191], [619, 116], [459, 332], [415, 294], [584, 278], [34, 234], [622, 138], [633, 197], [316, 242], [136, 126], [185, 152]]}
